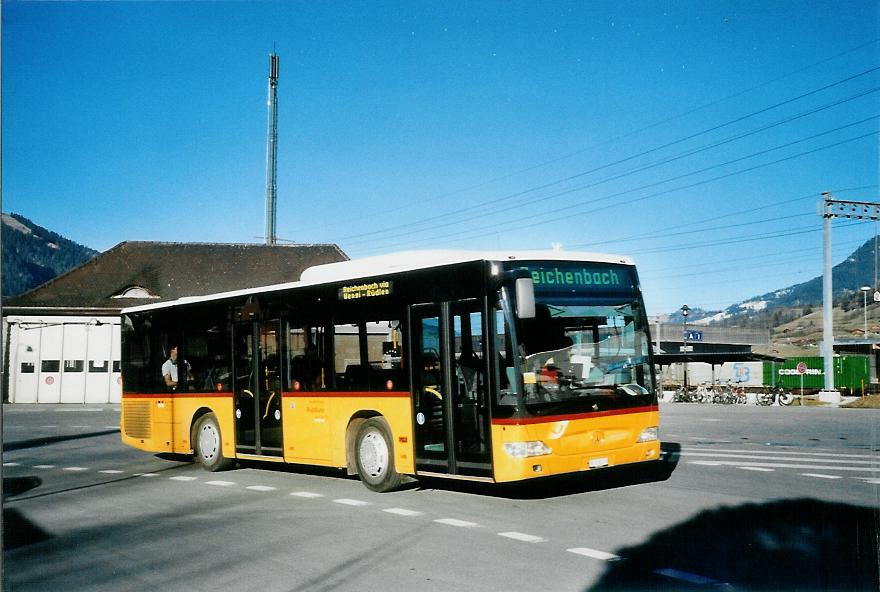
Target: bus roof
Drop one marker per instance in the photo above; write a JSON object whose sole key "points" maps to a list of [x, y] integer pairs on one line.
{"points": [[388, 264]]}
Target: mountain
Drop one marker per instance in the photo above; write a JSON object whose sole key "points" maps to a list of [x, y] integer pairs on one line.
{"points": [[33, 255], [785, 304]]}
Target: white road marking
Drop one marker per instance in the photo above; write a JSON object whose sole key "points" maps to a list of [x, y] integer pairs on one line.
{"points": [[520, 536], [684, 576], [759, 469], [11, 464], [871, 481], [111, 471], [75, 469], [799, 466], [715, 452], [350, 502], [594, 554], [116, 427], [147, 474], [44, 466], [455, 522], [307, 494], [827, 459], [48, 427], [182, 478], [402, 512], [220, 483], [260, 488], [820, 476], [785, 459]]}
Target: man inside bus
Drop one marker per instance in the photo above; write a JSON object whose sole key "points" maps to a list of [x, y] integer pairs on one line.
{"points": [[169, 369]]}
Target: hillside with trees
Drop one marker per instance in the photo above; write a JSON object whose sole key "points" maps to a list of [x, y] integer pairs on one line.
{"points": [[33, 255]]}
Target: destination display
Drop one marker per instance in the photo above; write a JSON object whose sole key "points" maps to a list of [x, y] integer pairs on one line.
{"points": [[367, 290], [580, 277]]}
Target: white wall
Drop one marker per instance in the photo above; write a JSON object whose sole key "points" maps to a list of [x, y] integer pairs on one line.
{"points": [[63, 359]]}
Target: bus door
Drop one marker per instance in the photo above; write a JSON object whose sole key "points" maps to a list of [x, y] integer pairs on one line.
{"points": [[450, 394], [257, 388]]}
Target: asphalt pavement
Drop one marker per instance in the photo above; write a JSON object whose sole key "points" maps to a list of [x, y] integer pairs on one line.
{"points": [[746, 498]]}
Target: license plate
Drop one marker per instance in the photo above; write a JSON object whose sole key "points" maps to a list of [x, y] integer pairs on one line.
{"points": [[598, 463]]}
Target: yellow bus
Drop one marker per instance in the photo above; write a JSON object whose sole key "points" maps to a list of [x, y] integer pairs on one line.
{"points": [[495, 367]]}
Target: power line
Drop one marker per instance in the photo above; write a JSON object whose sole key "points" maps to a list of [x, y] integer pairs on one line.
{"points": [[642, 129], [841, 248], [533, 221], [734, 241], [692, 224], [424, 221], [679, 157]]}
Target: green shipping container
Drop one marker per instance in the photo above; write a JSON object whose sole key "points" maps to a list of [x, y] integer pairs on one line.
{"points": [[850, 372]]}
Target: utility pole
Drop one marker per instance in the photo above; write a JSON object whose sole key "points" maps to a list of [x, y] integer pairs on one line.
{"points": [[835, 208], [271, 150]]}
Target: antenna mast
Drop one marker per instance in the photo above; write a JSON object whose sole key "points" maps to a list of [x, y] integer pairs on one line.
{"points": [[271, 150]]}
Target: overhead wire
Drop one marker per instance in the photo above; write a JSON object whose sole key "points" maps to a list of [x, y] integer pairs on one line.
{"points": [[532, 201], [694, 224], [535, 220], [732, 241], [568, 191], [840, 247], [580, 207], [424, 221], [680, 115]]}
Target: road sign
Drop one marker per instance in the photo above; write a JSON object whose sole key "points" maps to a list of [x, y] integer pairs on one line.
{"points": [[691, 335], [877, 296], [686, 348], [802, 368]]}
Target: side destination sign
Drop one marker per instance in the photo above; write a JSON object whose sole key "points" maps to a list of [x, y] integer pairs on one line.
{"points": [[371, 290], [576, 277]]}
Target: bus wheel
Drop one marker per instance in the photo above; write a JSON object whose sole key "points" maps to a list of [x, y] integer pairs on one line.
{"points": [[374, 456], [207, 444]]}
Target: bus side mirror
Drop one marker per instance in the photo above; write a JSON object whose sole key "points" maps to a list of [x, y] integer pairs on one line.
{"points": [[525, 298]]}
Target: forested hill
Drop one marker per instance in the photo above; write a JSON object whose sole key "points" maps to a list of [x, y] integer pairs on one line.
{"points": [[33, 255], [785, 304]]}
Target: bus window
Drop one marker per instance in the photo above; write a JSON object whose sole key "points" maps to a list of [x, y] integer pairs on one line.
{"points": [[505, 377], [367, 356], [351, 372], [470, 409], [306, 368], [384, 348]]}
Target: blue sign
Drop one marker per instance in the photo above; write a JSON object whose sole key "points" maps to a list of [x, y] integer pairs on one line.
{"points": [[690, 335]]}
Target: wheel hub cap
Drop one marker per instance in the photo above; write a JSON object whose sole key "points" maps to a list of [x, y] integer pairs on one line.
{"points": [[208, 442], [373, 454]]}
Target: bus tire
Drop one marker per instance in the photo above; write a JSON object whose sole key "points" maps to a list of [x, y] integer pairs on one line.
{"points": [[374, 456], [208, 444]]}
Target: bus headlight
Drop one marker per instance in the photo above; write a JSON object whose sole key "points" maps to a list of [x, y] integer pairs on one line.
{"points": [[526, 449], [651, 434]]}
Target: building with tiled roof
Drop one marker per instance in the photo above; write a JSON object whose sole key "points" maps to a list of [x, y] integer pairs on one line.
{"points": [[62, 339]]}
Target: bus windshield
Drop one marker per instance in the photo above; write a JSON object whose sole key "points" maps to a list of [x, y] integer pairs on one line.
{"points": [[585, 350]]}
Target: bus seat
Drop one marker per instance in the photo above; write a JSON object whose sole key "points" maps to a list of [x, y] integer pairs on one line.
{"points": [[357, 376]]}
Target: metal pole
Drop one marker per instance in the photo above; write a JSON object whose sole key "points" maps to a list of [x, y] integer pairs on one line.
{"points": [[827, 303], [684, 339], [272, 152]]}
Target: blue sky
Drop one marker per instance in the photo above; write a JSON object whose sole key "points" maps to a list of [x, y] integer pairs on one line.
{"points": [[694, 136]]}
